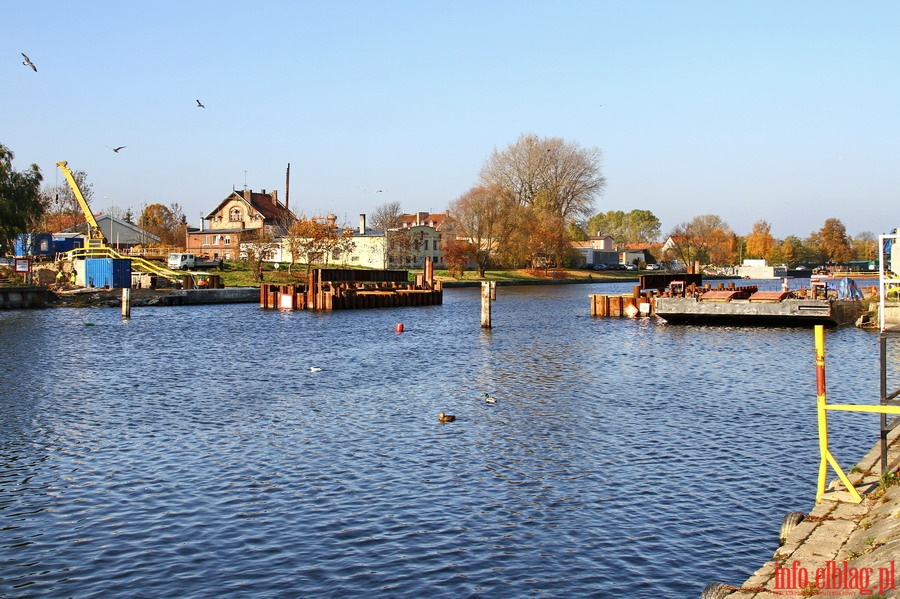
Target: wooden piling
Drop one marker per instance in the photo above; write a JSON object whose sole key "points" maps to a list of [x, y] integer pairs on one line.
{"points": [[126, 302], [486, 305], [637, 303]]}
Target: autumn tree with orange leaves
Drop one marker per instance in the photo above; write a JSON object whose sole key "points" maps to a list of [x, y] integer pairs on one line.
{"points": [[760, 241]]}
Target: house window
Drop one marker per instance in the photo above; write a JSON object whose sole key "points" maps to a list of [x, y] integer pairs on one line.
{"points": [[235, 214], [425, 246], [227, 240]]}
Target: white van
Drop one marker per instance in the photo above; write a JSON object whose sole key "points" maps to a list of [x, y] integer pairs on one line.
{"points": [[180, 261]]}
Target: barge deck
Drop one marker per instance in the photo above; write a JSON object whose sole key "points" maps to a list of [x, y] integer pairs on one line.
{"points": [[759, 309]]}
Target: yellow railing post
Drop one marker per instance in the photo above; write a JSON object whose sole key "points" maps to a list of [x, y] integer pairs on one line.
{"points": [[822, 406], [820, 410]]}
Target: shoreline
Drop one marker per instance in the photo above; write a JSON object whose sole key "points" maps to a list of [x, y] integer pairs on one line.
{"points": [[838, 541]]}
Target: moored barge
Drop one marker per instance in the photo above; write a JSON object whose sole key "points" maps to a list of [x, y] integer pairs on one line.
{"points": [[760, 308]]}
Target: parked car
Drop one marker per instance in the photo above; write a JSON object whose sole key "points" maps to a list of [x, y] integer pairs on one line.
{"points": [[616, 267], [654, 267], [599, 267], [630, 267]]}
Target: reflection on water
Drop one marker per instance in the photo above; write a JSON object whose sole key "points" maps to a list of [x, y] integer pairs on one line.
{"points": [[192, 452]]}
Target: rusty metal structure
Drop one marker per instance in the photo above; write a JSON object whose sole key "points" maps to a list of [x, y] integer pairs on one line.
{"points": [[346, 289]]}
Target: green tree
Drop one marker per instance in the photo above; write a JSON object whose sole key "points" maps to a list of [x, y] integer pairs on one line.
{"points": [[637, 226], [865, 246], [20, 200], [576, 233]]}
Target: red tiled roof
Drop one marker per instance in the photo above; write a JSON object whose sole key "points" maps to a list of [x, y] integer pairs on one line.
{"points": [[426, 219], [271, 209]]}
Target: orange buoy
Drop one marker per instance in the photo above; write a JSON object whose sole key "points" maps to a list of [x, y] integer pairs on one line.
{"points": [[398, 327]]}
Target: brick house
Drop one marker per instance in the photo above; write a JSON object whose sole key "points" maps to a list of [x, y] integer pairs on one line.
{"points": [[238, 218]]}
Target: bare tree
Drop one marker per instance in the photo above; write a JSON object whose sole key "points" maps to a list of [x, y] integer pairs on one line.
{"points": [[342, 244], [387, 216], [115, 211], [548, 174], [482, 217], [257, 250], [402, 246], [63, 210]]}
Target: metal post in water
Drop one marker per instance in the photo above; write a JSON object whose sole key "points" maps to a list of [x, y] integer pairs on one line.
{"points": [[126, 302]]}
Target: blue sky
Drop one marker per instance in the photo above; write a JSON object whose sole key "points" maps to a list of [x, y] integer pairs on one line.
{"points": [[775, 110]]}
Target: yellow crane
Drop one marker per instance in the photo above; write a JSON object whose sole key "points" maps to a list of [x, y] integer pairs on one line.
{"points": [[97, 244], [94, 231]]}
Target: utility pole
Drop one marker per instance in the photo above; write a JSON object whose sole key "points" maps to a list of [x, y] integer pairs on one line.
{"points": [[287, 187]]}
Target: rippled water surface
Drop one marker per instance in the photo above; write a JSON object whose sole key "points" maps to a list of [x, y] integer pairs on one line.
{"points": [[191, 452]]}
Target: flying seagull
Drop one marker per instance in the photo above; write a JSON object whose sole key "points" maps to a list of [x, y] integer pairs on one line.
{"points": [[116, 150], [28, 62], [200, 104]]}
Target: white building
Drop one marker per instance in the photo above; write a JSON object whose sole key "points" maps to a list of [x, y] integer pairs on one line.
{"points": [[419, 236]]}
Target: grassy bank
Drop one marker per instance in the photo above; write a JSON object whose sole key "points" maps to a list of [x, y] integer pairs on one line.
{"points": [[236, 274]]}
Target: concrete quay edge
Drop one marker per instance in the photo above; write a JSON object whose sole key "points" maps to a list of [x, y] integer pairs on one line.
{"points": [[839, 539]]}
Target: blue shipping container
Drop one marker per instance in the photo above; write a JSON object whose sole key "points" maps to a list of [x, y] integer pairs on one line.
{"points": [[114, 273]]}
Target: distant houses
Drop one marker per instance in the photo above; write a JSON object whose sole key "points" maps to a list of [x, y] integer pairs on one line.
{"points": [[419, 236], [601, 249], [238, 218], [242, 216]]}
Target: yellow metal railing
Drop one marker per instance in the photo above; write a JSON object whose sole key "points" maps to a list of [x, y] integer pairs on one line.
{"points": [[822, 410], [108, 252]]}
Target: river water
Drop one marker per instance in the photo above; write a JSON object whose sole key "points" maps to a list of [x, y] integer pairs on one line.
{"points": [[191, 451]]}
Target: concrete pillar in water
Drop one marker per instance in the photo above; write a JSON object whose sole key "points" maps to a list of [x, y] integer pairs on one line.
{"points": [[126, 302]]}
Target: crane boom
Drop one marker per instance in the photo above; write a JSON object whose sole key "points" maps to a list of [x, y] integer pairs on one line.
{"points": [[94, 231]]}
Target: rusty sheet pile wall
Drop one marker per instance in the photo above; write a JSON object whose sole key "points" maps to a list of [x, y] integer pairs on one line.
{"points": [[344, 289]]}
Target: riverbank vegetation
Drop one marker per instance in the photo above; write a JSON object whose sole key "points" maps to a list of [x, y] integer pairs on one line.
{"points": [[241, 274]]}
